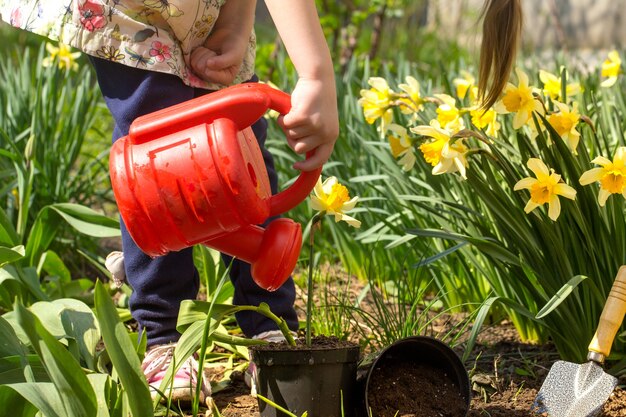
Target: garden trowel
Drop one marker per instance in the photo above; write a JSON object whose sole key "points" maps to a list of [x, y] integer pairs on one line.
{"points": [[572, 390]]}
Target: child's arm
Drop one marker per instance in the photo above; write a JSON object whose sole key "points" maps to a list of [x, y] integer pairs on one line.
{"points": [[220, 58], [312, 124]]}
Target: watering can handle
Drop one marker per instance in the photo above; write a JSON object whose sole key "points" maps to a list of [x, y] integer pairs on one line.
{"points": [[244, 104]]}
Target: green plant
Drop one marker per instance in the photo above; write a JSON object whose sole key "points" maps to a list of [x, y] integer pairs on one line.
{"points": [[51, 361], [49, 116], [546, 268], [29, 270], [330, 198]]}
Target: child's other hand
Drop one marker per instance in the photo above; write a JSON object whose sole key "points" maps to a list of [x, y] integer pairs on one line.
{"points": [[312, 124], [220, 58]]}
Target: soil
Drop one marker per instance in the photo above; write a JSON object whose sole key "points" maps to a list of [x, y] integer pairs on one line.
{"points": [[505, 376], [505, 373], [317, 343], [399, 389]]}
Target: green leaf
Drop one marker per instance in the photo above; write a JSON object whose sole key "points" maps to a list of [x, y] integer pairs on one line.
{"points": [[8, 235], [87, 221], [486, 245], [64, 371], [122, 354], [10, 344], [41, 234], [52, 264], [16, 369], [8, 255], [440, 255], [27, 279], [106, 392], [42, 395], [81, 218], [560, 296]]}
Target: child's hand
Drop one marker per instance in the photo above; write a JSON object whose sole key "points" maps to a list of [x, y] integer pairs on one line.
{"points": [[221, 56], [219, 59], [313, 123]]}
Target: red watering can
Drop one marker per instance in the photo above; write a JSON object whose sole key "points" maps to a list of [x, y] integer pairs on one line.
{"points": [[193, 173]]}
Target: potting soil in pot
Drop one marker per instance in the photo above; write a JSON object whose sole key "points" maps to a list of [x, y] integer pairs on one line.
{"points": [[406, 389]]}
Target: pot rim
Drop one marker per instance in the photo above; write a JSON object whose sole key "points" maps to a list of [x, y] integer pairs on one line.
{"points": [[285, 356], [445, 352]]}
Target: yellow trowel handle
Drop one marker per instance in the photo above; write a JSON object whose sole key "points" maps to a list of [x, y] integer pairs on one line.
{"points": [[611, 317]]}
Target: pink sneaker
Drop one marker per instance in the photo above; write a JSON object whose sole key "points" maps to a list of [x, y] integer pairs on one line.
{"points": [[183, 387]]}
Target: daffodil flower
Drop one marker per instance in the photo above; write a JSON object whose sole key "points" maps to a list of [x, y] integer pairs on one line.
{"points": [[565, 122], [612, 175], [465, 84], [62, 56], [519, 99], [401, 146], [448, 114], [414, 102], [545, 188], [610, 69], [552, 86], [376, 102], [485, 119], [330, 197], [442, 153]]}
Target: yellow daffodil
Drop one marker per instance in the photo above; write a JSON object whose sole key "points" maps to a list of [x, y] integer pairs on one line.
{"points": [[552, 86], [62, 56], [610, 69], [414, 102], [442, 153], [612, 175], [545, 188], [565, 122], [486, 120], [330, 197], [465, 84], [401, 146], [376, 102], [519, 100], [448, 115]]}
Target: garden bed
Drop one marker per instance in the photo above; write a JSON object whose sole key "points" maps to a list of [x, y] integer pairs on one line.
{"points": [[506, 379]]}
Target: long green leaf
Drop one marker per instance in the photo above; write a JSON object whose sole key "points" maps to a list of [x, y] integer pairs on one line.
{"points": [[64, 371], [8, 235], [8, 255], [42, 395], [87, 221], [560, 296], [122, 354], [13, 403]]}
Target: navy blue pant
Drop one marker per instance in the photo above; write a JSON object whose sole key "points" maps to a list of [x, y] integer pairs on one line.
{"points": [[160, 284]]}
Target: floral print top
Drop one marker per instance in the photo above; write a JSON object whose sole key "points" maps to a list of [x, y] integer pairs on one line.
{"points": [[157, 35]]}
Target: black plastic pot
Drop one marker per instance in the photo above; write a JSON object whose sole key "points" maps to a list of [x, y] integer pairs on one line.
{"points": [[318, 381], [417, 350]]}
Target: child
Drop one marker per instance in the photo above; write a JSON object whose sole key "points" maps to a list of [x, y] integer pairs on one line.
{"points": [[188, 57], [152, 54]]}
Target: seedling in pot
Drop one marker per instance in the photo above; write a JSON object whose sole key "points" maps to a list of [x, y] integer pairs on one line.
{"points": [[330, 197]]}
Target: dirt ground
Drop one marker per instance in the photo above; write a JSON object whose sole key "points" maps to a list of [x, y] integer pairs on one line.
{"points": [[505, 373]]}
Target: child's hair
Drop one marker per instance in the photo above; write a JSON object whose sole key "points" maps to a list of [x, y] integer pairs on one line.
{"points": [[502, 26]]}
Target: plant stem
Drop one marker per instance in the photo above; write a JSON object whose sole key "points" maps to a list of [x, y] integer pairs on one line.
{"points": [[264, 309], [309, 298]]}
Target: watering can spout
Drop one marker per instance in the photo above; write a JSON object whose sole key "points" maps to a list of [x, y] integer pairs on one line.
{"points": [[272, 252]]}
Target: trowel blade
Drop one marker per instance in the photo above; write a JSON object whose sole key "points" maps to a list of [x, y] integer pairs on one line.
{"points": [[573, 390]]}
